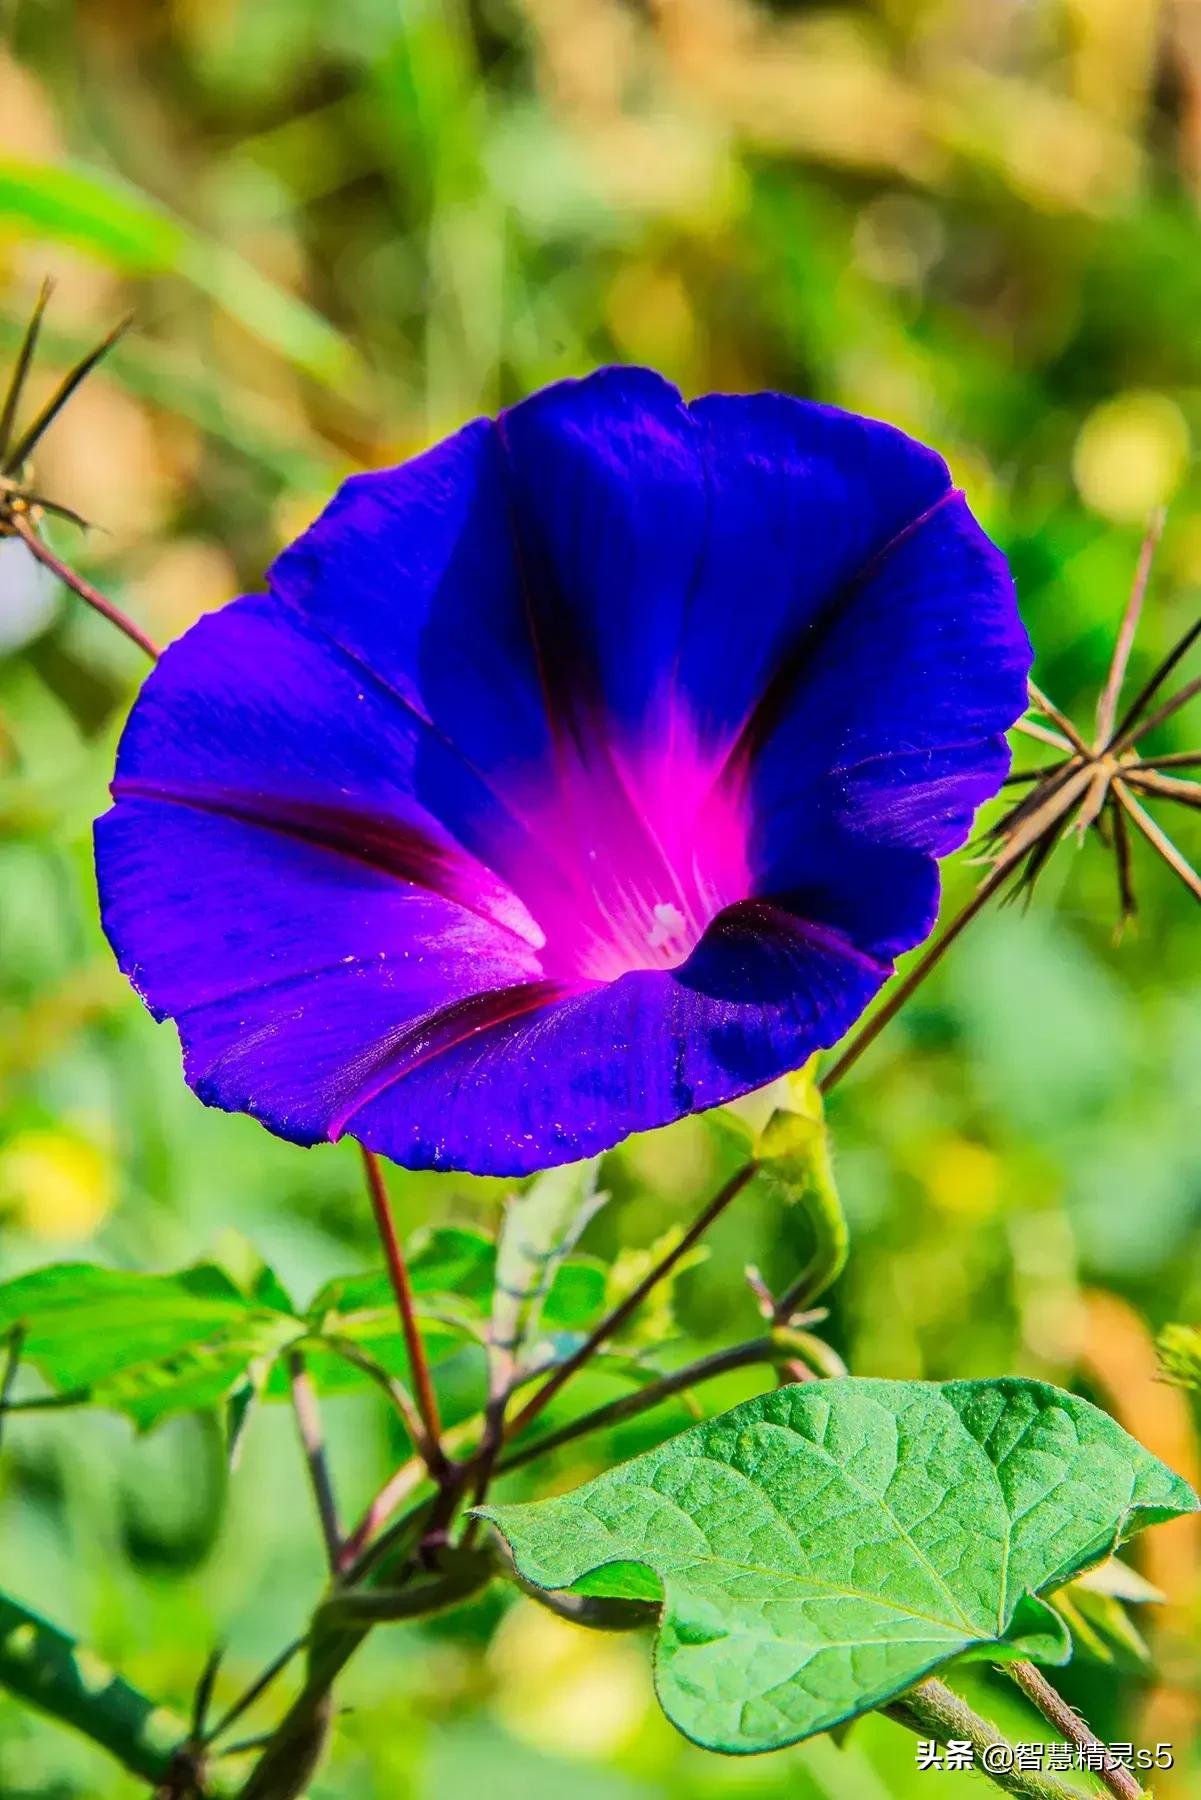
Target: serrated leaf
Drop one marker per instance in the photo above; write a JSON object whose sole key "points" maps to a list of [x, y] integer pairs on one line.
{"points": [[148, 1346], [822, 1547]]}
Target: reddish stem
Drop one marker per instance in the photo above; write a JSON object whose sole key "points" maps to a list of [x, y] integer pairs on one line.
{"points": [[423, 1386], [95, 599]]}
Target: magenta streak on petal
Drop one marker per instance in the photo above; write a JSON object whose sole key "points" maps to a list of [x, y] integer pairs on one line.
{"points": [[443, 1030], [385, 844]]}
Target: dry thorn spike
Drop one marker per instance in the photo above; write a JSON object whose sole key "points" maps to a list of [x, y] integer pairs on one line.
{"points": [[1159, 839], [1052, 712], [16, 456], [1107, 704], [21, 366]]}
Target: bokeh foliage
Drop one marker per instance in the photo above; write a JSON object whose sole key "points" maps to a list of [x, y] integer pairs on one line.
{"points": [[345, 229]]}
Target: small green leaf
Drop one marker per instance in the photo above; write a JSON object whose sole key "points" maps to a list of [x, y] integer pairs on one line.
{"points": [[450, 1264], [822, 1547], [145, 1345]]}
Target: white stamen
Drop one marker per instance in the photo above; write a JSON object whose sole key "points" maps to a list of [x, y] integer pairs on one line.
{"points": [[669, 923]]}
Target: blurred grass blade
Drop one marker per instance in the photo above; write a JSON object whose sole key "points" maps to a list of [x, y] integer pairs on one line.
{"points": [[106, 216]]}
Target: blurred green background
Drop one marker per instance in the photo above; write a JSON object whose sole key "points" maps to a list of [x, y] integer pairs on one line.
{"points": [[345, 228]]}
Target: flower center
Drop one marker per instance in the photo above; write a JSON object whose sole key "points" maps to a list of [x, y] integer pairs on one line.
{"points": [[642, 855]]}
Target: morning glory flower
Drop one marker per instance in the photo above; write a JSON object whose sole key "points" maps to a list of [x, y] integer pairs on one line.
{"points": [[586, 771]]}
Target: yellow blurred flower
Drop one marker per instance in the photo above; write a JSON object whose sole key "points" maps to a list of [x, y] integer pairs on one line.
{"points": [[962, 1177], [1131, 454], [57, 1184], [571, 1692]]}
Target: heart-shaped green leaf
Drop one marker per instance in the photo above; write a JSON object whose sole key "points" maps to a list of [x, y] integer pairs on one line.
{"points": [[822, 1547]]}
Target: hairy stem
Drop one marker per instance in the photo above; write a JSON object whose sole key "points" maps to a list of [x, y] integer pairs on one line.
{"points": [[1068, 1723], [297, 1742], [94, 598], [427, 1401], [933, 1711]]}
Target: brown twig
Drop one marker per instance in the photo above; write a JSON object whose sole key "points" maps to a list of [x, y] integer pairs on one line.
{"points": [[772, 1349], [1155, 681], [395, 1491], [12, 397], [1051, 711], [992, 882], [1107, 704], [1162, 787], [33, 433], [1158, 839], [1141, 727], [1042, 734]]}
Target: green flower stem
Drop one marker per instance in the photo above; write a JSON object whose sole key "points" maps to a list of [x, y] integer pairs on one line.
{"points": [[932, 1711], [48, 1670]]}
